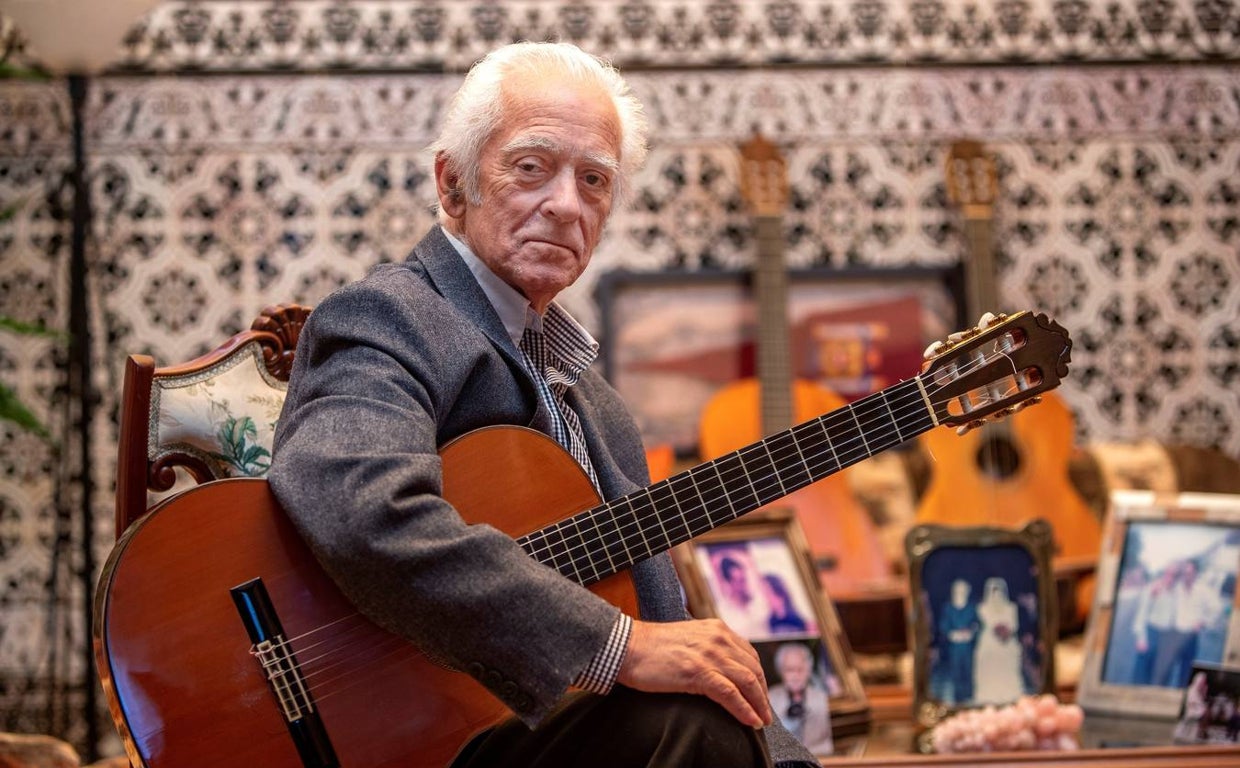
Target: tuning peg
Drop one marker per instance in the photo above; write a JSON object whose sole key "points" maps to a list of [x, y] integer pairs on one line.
{"points": [[1022, 405], [970, 426], [934, 349]]}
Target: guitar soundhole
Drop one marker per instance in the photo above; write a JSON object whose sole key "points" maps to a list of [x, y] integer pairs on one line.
{"points": [[997, 457]]}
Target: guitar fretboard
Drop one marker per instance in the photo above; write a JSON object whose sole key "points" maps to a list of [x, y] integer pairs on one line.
{"points": [[611, 537]]}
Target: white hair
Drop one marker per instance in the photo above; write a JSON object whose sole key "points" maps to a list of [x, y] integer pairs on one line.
{"points": [[476, 109]]}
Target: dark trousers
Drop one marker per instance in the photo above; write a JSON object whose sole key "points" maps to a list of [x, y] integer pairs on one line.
{"points": [[625, 729]]}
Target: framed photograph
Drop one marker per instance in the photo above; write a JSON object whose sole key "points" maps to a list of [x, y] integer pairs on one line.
{"points": [[984, 616], [1165, 601], [671, 340], [756, 575]]}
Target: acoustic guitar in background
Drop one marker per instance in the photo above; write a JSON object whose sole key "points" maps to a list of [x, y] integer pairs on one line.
{"points": [[1009, 472], [842, 538]]}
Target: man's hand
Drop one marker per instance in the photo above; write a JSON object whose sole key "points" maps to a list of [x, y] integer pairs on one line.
{"points": [[703, 657]]}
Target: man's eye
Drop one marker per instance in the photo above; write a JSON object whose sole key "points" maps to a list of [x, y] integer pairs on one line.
{"points": [[596, 180]]}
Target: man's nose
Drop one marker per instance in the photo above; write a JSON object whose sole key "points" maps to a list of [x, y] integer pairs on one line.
{"points": [[563, 200]]}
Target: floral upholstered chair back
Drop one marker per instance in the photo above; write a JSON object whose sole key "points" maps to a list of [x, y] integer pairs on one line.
{"points": [[210, 418]]}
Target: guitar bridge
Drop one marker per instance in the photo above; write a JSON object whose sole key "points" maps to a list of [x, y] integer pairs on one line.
{"points": [[275, 655]]}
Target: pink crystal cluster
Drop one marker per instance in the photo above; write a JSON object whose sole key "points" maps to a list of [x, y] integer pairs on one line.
{"points": [[1032, 722]]}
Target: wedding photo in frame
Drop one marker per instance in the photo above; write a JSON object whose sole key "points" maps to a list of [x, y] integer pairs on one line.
{"points": [[756, 575], [1165, 601], [983, 616], [671, 340]]}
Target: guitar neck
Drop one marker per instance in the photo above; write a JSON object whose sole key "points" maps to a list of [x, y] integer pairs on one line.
{"points": [[774, 357], [609, 538], [981, 271]]}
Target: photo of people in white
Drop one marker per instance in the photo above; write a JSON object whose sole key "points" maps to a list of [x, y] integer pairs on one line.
{"points": [[1172, 602], [982, 606]]}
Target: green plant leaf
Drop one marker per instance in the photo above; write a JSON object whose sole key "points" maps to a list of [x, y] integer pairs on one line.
{"points": [[11, 409], [30, 329]]}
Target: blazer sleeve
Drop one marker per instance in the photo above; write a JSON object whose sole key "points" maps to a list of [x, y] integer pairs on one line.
{"points": [[381, 372]]}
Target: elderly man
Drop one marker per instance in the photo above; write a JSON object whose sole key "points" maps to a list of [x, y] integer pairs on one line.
{"points": [[536, 147]]}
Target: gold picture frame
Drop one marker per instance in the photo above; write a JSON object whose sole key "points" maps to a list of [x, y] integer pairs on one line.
{"points": [[770, 544], [983, 616], [1164, 556]]}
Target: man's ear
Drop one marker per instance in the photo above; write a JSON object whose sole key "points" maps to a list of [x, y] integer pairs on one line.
{"points": [[448, 187]]}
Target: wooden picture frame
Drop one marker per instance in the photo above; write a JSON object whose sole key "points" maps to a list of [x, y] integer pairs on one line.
{"points": [[771, 549], [1165, 556], [670, 340], [983, 616]]}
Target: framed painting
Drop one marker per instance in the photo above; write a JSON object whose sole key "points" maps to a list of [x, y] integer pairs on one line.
{"points": [[756, 575], [672, 340], [1165, 602], [983, 616]]}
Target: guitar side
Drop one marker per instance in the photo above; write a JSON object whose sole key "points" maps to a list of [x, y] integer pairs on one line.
{"points": [[174, 656]]}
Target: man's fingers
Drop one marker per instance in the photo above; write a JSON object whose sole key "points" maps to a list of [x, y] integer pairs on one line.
{"points": [[702, 657], [725, 692]]}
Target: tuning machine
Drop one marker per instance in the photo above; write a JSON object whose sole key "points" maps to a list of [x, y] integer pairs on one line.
{"points": [[987, 321]]}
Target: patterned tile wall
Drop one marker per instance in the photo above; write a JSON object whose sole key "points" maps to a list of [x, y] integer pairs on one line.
{"points": [[273, 179]]}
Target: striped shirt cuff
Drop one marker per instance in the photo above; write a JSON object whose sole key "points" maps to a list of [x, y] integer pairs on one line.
{"points": [[600, 674]]}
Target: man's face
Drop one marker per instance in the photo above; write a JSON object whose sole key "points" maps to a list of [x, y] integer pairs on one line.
{"points": [[547, 178], [960, 593], [795, 671]]}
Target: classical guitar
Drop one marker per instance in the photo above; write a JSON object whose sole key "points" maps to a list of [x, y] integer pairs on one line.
{"points": [[842, 538], [220, 641], [1013, 471]]}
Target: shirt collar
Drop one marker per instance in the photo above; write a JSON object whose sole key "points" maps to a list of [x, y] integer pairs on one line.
{"points": [[513, 308]]}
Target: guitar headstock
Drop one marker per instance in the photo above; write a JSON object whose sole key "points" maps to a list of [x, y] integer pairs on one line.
{"points": [[764, 177], [972, 182], [995, 369]]}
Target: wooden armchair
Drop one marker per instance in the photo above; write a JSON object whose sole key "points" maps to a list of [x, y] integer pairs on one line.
{"points": [[206, 419]]}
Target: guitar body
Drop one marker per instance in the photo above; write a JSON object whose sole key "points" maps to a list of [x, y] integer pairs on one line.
{"points": [[175, 658], [1010, 473], [842, 538]]}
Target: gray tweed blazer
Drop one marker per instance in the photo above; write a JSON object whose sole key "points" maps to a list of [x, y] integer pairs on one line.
{"points": [[387, 370]]}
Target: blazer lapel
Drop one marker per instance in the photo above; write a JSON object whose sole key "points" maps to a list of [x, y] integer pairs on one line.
{"points": [[453, 280]]}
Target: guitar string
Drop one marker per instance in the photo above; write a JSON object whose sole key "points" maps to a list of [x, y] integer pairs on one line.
{"points": [[915, 402], [915, 405], [566, 557], [734, 477]]}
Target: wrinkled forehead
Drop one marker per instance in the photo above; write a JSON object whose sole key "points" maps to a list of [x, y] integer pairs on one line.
{"points": [[532, 101]]}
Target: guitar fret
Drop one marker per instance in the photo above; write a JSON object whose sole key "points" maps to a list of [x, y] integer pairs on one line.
{"points": [[585, 552], [822, 424], [557, 550], [687, 503], [662, 499], [892, 416], [619, 533], [860, 431], [708, 521], [766, 447], [815, 448], [843, 440], [762, 493], [790, 465], [873, 415], [638, 528], [724, 487]]}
